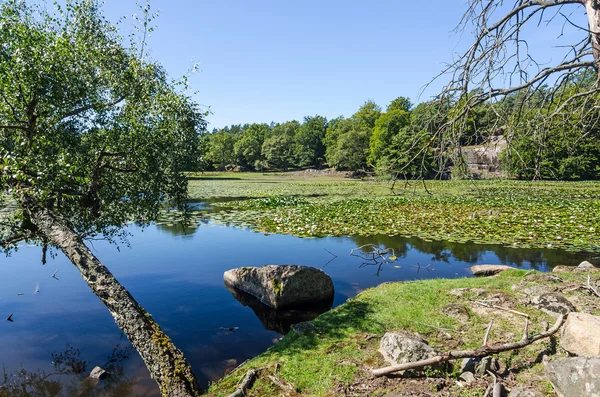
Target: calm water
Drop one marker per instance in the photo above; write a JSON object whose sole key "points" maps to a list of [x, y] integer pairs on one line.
{"points": [[177, 275]]}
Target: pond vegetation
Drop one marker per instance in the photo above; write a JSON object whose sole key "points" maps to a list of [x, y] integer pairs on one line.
{"points": [[515, 213]]}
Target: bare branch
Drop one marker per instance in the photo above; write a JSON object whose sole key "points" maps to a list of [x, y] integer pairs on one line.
{"points": [[483, 351]]}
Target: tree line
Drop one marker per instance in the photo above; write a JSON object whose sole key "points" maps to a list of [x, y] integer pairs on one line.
{"points": [[406, 140]]}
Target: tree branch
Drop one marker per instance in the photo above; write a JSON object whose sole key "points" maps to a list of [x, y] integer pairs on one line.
{"points": [[483, 351]]}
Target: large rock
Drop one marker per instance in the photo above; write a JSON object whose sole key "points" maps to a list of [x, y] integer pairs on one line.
{"points": [[282, 286], [488, 270], [581, 335], [552, 303], [401, 348], [575, 376]]}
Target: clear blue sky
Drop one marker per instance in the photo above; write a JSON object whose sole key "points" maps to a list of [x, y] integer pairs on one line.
{"points": [[279, 60]]}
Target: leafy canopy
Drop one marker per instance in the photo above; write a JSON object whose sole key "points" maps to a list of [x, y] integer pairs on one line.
{"points": [[89, 128]]}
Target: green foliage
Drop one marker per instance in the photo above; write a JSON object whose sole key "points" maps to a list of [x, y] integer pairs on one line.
{"points": [[247, 149], [350, 145], [221, 149], [278, 151], [88, 126], [387, 127], [310, 149]]}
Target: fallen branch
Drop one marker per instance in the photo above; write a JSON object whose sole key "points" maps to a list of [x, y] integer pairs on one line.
{"points": [[240, 390], [483, 351]]}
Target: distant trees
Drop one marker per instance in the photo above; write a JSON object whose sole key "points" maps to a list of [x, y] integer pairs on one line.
{"points": [[404, 141]]}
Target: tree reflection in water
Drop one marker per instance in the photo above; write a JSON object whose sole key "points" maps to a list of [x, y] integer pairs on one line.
{"points": [[69, 377]]}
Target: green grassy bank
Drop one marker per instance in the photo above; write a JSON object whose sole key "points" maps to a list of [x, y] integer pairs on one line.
{"points": [[337, 357]]}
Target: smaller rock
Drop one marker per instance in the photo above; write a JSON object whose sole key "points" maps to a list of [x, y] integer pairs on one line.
{"points": [[575, 376], [524, 392], [553, 304], [98, 373], [457, 312], [484, 365], [586, 266], [467, 365], [581, 335], [305, 327], [467, 377], [488, 270], [400, 348]]}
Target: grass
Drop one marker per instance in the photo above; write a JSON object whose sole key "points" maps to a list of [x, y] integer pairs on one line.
{"points": [[345, 344], [513, 213]]}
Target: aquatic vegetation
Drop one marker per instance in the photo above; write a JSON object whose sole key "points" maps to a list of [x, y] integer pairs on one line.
{"points": [[514, 213]]}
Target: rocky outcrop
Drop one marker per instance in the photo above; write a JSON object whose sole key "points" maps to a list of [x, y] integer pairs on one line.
{"points": [[458, 312], [282, 286], [400, 348], [575, 376], [581, 335], [488, 270]]}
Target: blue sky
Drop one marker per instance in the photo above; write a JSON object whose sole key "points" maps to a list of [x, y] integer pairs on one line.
{"points": [[279, 60]]}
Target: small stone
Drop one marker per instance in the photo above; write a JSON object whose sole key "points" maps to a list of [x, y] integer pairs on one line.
{"points": [[581, 335], [586, 266], [98, 373], [484, 365], [400, 348], [553, 304], [468, 377], [467, 365]]}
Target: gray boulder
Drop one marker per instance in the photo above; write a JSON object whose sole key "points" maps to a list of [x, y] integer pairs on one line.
{"points": [[553, 304], [488, 270], [581, 335], [282, 286], [401, 348], [575, 376]]}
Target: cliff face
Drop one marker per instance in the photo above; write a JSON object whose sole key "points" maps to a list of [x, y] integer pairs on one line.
{"points": [[484, 160]]}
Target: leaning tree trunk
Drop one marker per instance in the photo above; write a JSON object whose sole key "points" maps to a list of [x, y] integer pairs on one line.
{"points": [[164, 360]]}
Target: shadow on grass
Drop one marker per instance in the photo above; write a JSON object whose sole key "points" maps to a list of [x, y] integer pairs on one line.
{"points": [[342, 323]]}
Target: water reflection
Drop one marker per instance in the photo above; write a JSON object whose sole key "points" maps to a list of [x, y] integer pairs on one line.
{"points": [[69, 377], [279, 320], [180, 281]]}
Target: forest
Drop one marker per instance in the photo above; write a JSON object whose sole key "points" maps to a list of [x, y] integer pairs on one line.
{"points": [[405, 140]]}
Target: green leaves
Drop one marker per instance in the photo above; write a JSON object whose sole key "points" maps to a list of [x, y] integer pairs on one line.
{"points": [[88, 127]]}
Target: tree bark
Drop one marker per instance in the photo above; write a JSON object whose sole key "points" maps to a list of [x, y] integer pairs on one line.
{"points": [[592, 8], [164, 360]]}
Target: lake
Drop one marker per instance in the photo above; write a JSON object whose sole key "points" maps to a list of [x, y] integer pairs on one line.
{"points": [[176, 273]]}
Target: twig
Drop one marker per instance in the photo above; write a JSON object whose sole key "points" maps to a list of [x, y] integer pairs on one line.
{"points": [[497, 388], [483, 351], [240, 390], [502, 308], [589, 285], [487, 333]]}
